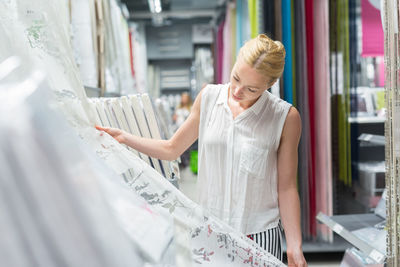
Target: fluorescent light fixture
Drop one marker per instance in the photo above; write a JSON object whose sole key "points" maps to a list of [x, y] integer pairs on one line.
{"points": [[155, 6]]}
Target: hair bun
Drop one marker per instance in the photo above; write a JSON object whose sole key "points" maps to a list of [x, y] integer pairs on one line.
{"points": [[265, 55]]}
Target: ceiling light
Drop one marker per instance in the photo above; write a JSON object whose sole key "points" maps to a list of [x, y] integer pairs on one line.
{"points": [[155, 6]]}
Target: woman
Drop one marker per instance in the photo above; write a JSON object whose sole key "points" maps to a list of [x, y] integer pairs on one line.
{"points": [[182, 112], [248, 142]]}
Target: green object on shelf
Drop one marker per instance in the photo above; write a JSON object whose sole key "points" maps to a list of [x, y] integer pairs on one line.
{"points": [[380, 100], [193, 161]]}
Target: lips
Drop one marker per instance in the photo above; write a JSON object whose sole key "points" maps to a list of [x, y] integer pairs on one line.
{"points": [[235, 97]]}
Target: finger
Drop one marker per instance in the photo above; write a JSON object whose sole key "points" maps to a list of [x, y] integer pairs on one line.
{"points": [[99, 128], [104, 129]]}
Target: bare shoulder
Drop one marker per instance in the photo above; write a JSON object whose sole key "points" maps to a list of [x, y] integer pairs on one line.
{"points": [[293, 116], [292, 127]]}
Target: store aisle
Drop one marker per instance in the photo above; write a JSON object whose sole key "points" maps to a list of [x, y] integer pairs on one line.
{"points": [[187, 185]]}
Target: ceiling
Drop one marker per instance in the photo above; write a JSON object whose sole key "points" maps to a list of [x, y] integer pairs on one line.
{"points": [[139, 9]]}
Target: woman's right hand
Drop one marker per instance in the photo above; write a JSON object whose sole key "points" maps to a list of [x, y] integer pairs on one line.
{"points": [[115, 133]]}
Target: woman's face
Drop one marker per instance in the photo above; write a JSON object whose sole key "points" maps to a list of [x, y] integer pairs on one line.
{"points": [[185, 99], [247, 84]]}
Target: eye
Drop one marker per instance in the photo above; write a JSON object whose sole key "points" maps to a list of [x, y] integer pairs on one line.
{"points": [[236, 79], [252, 90]]}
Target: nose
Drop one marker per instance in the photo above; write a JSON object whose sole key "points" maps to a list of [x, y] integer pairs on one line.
{"points": [[238, 90]]}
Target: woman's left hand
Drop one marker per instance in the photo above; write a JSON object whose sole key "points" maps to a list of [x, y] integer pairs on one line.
{"points": [[296, 259]]}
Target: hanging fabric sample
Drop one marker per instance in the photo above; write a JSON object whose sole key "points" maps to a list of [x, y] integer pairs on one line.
{"points": [[204, 70], [304, 169], [140, 58], [227, 42], [233, 31], [269, 19], [323, 160], [288, 43], [239, 25], [253, 16], [154, 130], [164, 115], [340, 77], [392, 125], [372, 32], [309, 5], [83, 28], [117, 55], [220, 51], [278, 31]]}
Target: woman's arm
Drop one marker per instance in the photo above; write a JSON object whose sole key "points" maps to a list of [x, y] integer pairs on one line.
{"points": [[288, 197], [163, 149]]}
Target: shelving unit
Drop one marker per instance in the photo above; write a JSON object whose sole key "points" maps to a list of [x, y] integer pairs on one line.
{"points": [[343, 225], [366, 119]]}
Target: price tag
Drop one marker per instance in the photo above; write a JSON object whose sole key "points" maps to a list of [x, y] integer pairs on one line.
{"points": [[376, 256], [368, 137]]}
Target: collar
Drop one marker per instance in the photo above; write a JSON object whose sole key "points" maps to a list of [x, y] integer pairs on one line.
{"points": [[259, 104], [223, 95]]}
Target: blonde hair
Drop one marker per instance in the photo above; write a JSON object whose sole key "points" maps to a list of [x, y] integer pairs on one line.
{"points": [[265, 55], [187, 105]]}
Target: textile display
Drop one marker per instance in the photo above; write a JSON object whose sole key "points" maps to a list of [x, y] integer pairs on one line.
{"points": [[304, 168], [153, 80], [306, 86], [389, 12], [51, 202], [139, 52], [269, 19], [204, 68], [155, 132], [227, 63], [84, 42], [354, 43], [309, 5], [323, 152], [239, 22], [117, 53], [287, 42], [164, 115], [201, 238], [233, 31], [103, 46], [219, 51], [253, 15], [344, 99], [372, 32], [119, 78]]}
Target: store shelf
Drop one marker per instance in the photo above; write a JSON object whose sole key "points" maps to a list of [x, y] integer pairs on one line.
{"points": [[338, 245], [366, 119], [92, 91], [344, 224], [110, 94], [371, 140], [356, 221]]}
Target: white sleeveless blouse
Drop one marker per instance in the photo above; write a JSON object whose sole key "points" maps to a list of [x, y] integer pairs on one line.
{"points": [[237, 174]]}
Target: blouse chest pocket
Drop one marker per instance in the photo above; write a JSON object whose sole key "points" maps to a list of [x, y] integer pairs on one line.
{"points": [[253, 161]]}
